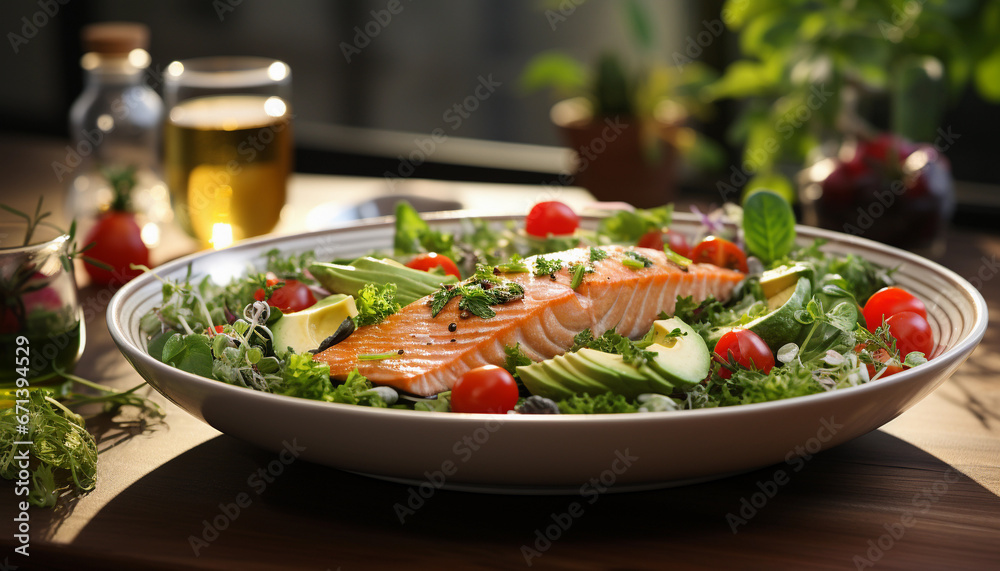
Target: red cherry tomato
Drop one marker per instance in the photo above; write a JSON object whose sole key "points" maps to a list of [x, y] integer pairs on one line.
{"points": [[720, 252], [551, 218], [427, 262], [882, 357], [218, 328], [289, 298], [746, 349], [912, 333], [118, 243], [677, 242], [889, 301], [488, 389]]}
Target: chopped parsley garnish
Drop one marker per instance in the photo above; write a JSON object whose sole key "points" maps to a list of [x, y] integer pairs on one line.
{"points": [[547, 266], [635, 260], [477, 297], [597, 254], [514, 266], [486, 273], [632, 352]]}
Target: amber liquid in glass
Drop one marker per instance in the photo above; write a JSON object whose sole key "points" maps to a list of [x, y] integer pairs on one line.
{"points": [[227, 161]]}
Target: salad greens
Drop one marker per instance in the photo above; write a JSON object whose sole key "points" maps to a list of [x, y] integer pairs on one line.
{"points": [[224, 331]]}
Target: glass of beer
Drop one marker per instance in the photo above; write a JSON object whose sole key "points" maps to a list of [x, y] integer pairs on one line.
{"points": [[228, 145]]}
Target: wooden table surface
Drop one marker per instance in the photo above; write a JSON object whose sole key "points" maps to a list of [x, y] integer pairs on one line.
{"points": [[922, 492]]}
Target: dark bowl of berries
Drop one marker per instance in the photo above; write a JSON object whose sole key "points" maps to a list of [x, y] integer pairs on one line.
{"points": [[885, 188]]}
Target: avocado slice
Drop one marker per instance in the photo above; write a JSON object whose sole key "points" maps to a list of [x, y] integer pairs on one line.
{"points": [[306, 329], [538, 378], [773, 282], [411, 284], [683, 361], [778, 326]]}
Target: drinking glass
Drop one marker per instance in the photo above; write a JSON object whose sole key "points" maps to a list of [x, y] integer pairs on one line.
{"points": [[41, 324], [228, 145]]}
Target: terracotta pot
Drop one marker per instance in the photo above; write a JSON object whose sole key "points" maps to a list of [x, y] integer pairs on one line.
{"points": [[622, 158]]}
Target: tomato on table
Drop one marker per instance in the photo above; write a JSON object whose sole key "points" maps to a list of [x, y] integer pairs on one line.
{"points": [[551, 217], [889, 301], [487, 389], [744, 348], [289, 298], [118, 243], [677, 242], [429, 261], [721, 252]]}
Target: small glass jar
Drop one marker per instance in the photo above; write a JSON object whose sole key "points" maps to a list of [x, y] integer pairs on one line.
{"points": [[886, 189], [41, 324], [115, 125]]}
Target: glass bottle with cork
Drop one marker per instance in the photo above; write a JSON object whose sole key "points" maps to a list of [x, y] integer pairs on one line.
{"points": [[115, 125]]}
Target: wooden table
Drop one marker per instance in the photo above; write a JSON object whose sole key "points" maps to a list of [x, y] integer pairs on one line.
{"points": [[923, 492]]}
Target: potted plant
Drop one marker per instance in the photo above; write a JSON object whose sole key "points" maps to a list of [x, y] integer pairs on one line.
{"points": [[625, 122], [812, 74]]}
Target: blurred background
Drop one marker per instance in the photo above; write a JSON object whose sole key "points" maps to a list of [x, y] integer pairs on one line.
{"points": [[368, 88]]}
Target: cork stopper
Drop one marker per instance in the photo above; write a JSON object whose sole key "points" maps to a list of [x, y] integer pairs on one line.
{"points": [[114, 38]]}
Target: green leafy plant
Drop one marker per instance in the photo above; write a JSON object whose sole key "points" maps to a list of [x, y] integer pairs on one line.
{"points": [[614, 85], [810, 68]]}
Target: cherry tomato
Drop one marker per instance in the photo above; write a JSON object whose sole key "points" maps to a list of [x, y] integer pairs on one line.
{"points": [[746, 349], [912, 333], [427, 262], [488, 389], [720, 252], [677, 242], [551, 218], [218, 328], [289, 298], [889, 301], [882, 357], [118, 243]]}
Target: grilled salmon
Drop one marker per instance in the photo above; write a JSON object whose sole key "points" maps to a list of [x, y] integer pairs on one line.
{"points": [[432, 352]]}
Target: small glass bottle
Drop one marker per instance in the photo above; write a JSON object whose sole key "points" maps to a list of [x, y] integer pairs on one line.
{"points": [[115, 125]]}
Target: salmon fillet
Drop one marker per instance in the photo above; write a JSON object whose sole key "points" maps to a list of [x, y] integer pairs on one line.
{"points": [[544, 321]]}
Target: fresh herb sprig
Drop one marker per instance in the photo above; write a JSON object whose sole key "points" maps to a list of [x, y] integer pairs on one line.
{"points": [[633, 352], [477, 296]]}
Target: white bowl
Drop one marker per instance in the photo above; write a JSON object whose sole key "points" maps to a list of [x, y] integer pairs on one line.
{"points": [[560, 453]]}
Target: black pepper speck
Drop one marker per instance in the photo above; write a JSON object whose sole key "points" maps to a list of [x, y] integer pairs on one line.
{"points": [[452, 340], [400, 352], [452, 327]]}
